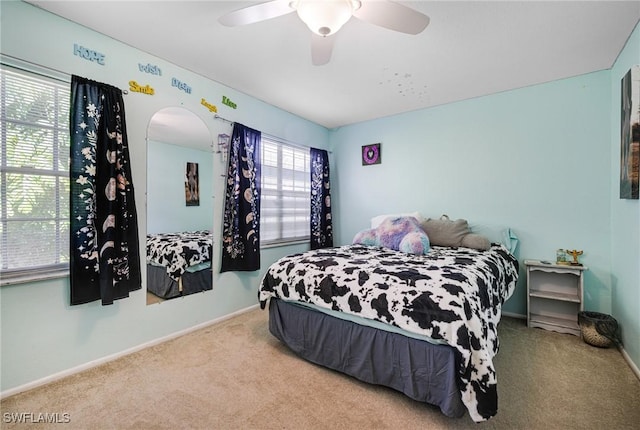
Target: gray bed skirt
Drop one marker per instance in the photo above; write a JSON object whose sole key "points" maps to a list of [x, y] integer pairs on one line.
{"points": [[423, 371], [160, 284]]}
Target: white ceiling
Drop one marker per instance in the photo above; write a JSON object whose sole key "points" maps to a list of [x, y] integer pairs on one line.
{"points": [[470, 49]]}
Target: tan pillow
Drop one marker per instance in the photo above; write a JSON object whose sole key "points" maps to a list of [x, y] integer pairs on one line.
{"points": [[444, 232], [476, 241]]}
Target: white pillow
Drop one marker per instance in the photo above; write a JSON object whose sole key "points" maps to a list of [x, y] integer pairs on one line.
{"points": [[377, 220]]}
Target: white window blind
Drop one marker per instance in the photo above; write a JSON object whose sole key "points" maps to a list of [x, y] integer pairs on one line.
{"points": [[34, 173], [285, 195]]}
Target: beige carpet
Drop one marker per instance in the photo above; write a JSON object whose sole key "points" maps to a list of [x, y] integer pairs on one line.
{"points": [[235, 375]]}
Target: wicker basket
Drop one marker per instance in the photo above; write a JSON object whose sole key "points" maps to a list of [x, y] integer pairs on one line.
{"points": [[598, 329]]}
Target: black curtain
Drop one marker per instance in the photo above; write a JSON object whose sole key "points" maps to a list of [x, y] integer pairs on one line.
{"points": [[105, 258], [241, 224], [321, 226]]}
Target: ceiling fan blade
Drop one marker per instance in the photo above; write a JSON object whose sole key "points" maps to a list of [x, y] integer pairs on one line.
{"points": [[393, 16], [321, 48], [256, 13]]}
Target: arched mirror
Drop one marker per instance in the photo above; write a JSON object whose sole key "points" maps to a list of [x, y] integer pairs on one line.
{"points": [[179, 205]]}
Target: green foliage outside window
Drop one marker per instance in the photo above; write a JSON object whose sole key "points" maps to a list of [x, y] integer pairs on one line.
{"points": [[34, 171]]}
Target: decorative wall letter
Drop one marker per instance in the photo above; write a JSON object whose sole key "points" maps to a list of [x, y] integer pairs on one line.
{"points": [[226, 101], [212, 108], [137, 88], [150, 68], [180, 85], [88, 54]]}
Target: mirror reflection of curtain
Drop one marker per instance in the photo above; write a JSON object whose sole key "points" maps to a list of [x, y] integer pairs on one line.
{"points": [[241, 225], [321, 224], [105, 260]]}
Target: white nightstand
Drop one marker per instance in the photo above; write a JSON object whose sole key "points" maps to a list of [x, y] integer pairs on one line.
{"points": [[554, 296]]}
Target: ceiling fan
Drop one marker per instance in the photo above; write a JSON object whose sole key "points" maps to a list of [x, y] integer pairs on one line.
{"points": [[325, 17]]}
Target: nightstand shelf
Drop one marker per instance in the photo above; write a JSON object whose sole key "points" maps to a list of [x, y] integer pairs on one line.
{"points": [[554, 296], [569, 297]]}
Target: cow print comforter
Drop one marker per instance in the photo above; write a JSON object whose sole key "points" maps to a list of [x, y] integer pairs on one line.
{"points": [[450, 294], [177, 251]]}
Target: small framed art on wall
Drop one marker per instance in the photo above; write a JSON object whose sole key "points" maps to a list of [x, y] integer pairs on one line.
{"points": [[371, 154], [630, 135]]}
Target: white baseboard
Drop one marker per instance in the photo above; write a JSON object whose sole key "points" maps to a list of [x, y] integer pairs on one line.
{"points": [[631, 364], [108, 358], [513, 315]]}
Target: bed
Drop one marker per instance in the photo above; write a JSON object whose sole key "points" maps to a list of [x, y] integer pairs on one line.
{"points": [[179, 263], [425, 325]]}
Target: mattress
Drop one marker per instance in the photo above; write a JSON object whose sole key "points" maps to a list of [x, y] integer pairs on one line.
{"points": [[452, 295]]}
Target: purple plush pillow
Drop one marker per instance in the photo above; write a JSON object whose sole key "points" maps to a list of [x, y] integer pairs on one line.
{"points": [[415, 243], [366, 237], [400, 234]]}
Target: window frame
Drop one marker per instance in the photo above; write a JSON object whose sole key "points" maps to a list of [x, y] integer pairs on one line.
{"points": [[18, 275], [281, 143]]}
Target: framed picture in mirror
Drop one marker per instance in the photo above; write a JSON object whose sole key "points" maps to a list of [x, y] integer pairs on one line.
{"points": [[192, 185]]}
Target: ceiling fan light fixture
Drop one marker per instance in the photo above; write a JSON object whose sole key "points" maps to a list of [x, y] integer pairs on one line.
{"points": [[325, 17]]}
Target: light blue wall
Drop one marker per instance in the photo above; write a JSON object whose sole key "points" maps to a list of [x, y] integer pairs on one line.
{"points": [[541, 160], [166, 208], [625, 219], [41, 335], [536, 160]]}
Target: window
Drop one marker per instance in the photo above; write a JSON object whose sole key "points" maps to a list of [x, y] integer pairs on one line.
{"points": [[34, 174], [285, 192]]}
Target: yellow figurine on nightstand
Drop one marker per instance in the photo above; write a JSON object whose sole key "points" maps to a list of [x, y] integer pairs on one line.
{"points": [[574, 253]]}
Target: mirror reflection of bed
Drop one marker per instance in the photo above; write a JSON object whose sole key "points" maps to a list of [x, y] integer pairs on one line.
{"points": [[179, 221]]}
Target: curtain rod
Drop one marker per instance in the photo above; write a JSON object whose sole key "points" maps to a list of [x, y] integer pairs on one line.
{"points": [[270, 136], [216, 116], [39, 69], [288, 142], [35, 68]]}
